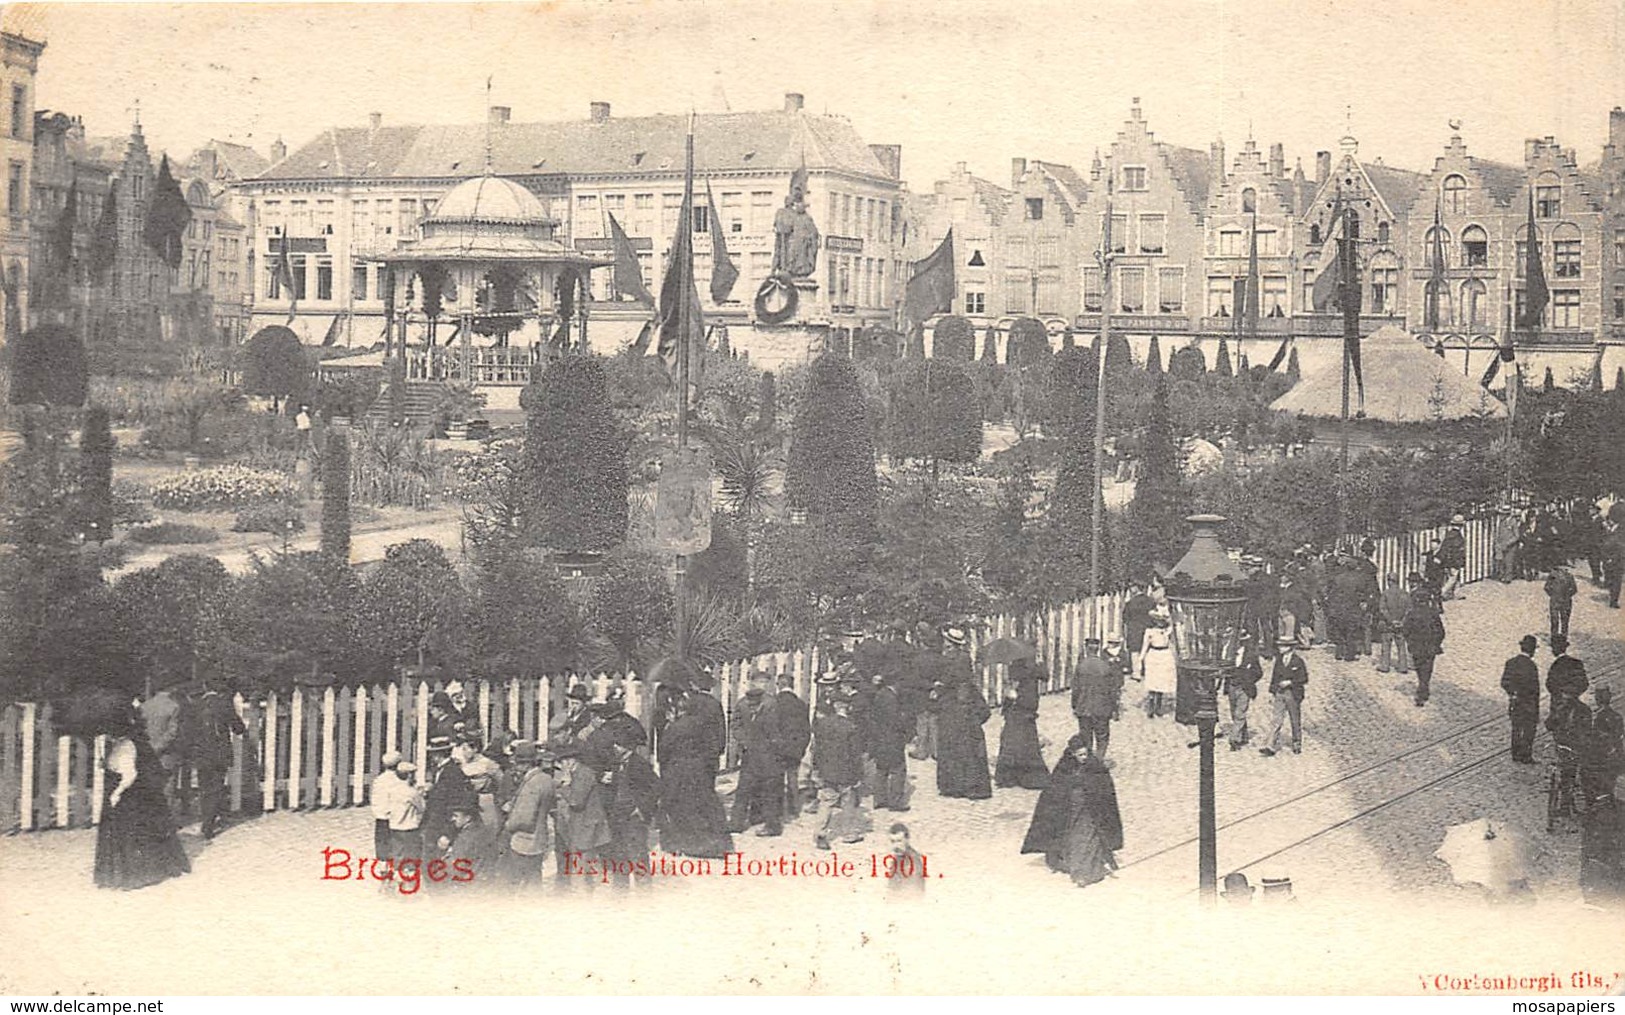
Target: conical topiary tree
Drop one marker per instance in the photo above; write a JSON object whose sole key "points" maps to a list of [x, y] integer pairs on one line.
{"points": [[1221, 364], [96, 476], [767, 401], [1619, 379], [1293, 372], [1548, 384], [48, 367], [575, 459], [1187, 364], [1153, 357], [934, 414], [953, 339], [830, 473], [1157, 533], [1072, 421], [336, 494]]}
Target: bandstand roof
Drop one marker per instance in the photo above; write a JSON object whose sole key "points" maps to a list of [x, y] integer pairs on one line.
{"points": [[487, 218], [1403, 379]]}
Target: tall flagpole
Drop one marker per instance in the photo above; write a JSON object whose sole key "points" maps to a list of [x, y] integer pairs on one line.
{"points": [[1351, 328], [1512, 395], [684, 321], [1100, 404]]}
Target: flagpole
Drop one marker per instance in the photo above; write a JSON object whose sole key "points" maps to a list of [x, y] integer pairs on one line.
{"points": [[684, 312], [1512, 396], [1351, 328], [1100, 403]]}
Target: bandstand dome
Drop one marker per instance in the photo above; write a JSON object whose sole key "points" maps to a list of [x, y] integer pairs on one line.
{"points": [[489, 200]]}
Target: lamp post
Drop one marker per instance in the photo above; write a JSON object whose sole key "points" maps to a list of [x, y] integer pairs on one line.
{"points": [[1206, 598]]}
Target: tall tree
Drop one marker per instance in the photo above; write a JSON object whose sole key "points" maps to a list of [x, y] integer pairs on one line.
{"points": [[1293, 373], [1072, 421], [413, 606], [932, 413], [831, 468], [275, 365], [104, 243], [1153, 357], [1221, 363], [336, 494], [1157, 532], [168, 215], [575, 459], [48, 367]]}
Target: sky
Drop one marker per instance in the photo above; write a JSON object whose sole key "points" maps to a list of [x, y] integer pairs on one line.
{"points": [[970, 81]]}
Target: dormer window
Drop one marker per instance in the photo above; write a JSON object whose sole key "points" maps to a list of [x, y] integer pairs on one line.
{"points": [[1249, 200], [1035, 209]]}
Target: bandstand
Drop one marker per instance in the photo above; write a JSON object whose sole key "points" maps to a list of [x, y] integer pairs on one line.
{"points": [[487, 291]]}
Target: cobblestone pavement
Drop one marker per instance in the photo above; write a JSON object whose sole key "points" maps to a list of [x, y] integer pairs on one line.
{"points": [[1375, 911]]}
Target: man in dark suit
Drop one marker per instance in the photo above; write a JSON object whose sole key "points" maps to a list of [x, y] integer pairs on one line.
{"points": [[705, 707], [1096, 690], [795, 725], [1520, 679], [215, 721], [759, 797], [1287, 682]]}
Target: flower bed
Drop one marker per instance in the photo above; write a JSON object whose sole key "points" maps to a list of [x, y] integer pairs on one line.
{"points": [[277, 517], [172, 533], [223, 487]]}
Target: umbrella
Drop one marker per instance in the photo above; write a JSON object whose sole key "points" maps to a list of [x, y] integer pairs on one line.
{"points": [[1006, 650], [670, 670], [94, 711], [1484, 853]]}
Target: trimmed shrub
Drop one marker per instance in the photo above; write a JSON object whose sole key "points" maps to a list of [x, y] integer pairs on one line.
{"points": [[269, 518], [48, 367], [953, 340], [336, 495], [575, 475], [130, 503], [172, 533], [223, 487]]}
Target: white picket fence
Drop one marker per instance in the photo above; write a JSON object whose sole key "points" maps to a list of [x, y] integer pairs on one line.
{"points": [[321, 747]]}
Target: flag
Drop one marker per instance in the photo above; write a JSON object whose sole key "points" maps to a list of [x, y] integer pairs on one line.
{"points": [[104, 244], [332, 331], [628, 272], [682, 324], [1247, 314], [930, 290], [1326, 287], [167, 217], [1436, 276], [284, 274], [723, 272], [1349, 296], [1281, 354], [1506, 355], [1536, 295], [640, 345]]}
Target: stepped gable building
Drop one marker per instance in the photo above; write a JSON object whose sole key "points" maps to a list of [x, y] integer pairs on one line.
{"points": [[1256, 194], [1159, 194], [1610, 175], [975, 209], [19, 63], [353, 194]]}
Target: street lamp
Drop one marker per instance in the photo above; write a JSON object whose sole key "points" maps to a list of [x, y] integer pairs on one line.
{"points": [[1207, 600]]}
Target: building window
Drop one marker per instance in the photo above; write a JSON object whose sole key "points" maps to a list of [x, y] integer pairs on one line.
{"points": [[846, 215], [671, 205], [1049, 252], [1566, 252], [19, 111], [1017, 290], [1520, 259], [324, 280], [643, 214], [733, 211], [1049, 296], [761, 211], [1384, 233], [408, 208], [702, 219], [1475, 247], [1153, 234], [1131, 283], [1119, 234], [615, 204], [1272, 297], [1015, 252], [1308, 294], [975, 301], [298, 264], [1230, 243], [586, 216], [1619, 302], [1249, 200], [1443, 242], [1220, 297], [976, 260], [1171, 290], [1269, 244], [324, 220], [1565, 308], [1619, 248], [1314, 234], [358, 282], [1475, 303], [1035, 209], [1455, 195], [1133, 177], [1384, 290], [14, 191], [1548, 197], [1092, 293]]}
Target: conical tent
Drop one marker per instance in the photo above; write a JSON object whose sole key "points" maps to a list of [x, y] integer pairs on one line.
{"points": [[1404, 383]]}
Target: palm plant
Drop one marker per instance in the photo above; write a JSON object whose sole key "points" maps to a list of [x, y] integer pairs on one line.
{"points": [[750, 461]]}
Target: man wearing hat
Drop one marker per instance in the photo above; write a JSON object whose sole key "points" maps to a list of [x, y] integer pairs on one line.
{"points": [[1096, 688], [611, 724], [1560, 593], [837, 758], [1520, 679], [632, 799], [569, 722], [707, 712], [580, 818], [1423, 628], [1238, 891], [796, 728], [472, 852], [1453, 555], [214, 723], [525, 840], [1287, 682], [759, 797], [447, 782], [1605, 750], [1241, 687]]}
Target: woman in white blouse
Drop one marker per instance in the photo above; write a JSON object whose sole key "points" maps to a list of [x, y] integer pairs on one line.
{"points": [[136, 844]]}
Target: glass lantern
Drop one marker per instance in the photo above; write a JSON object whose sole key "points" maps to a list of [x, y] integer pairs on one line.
{"points": [[1207, 602]]}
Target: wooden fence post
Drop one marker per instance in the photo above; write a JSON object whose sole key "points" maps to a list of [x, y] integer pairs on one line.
{"points": [[268, 799]]}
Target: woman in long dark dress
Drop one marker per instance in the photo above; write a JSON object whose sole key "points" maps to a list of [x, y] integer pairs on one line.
{"points": [[1076, 824], [692, 819], [1021, 759], [136, 844], [961, 745]]}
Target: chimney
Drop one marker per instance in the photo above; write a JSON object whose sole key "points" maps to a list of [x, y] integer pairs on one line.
{"points": [[1616, 129], [1277, 161], [1018, 169], [499, 115], [375, 120], [279, 151], [959, 169], [599, 111], [1323, 167], [793, 102], [208, 163], [1531, 145], [890, 157]]}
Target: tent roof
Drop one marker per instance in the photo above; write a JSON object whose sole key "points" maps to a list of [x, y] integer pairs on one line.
{"points": [[1402, 378]]}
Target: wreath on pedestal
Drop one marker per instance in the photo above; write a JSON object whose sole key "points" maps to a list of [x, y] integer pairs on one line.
{"points": [[776, 285]]}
